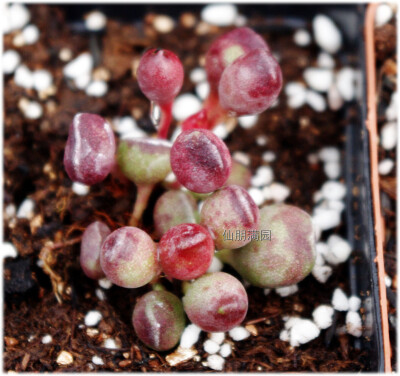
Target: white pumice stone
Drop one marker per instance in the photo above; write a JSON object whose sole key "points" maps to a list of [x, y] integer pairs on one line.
{"points": [[110, 343], [92, 318], [80, 189], [241, 157], [264, 176], [65, 54], [325, 60], [266, 191], [42, 79], [97, 360], [216, 362], [216, 265], [335, 100], [26, 209], [11, 60], [317, 196], [339, 300], [312, 158], [332, 170], [100, 294], [125, 124], [23, 77], [210, 347], [30, 34], [317, 233], [326, 219], [326, 34], [319, 259], [294, 87], [46, 339], [33, 110], [202, 90], [321, 272], [268, 156], [287, 290], [339, 250], [248, 121], [383, 14], [322, 316], [321, 249], [284, 335], [198, 75], [385, 166], [345, 83], [392, 110], [303, 331], [333, 190], [239, 333], [279, 192], [354, 324], [105, 283], [219, 14], [217, 337], [185, 105], [319, 79], [171, 178], [82, 81], [354, 303], [297, 100], [257, 195], [95, 21], [18, 16], [329, 154], [163, 24], [267, 291], [261, 140], [226, 350], [190, 336], [388, 281], [10, 211], [240, 20], [336, 205], [302, 37], [8, 250], [64, 358], [97, 88], [316, 101], [134, 133], [389, 136], [82, 64], [290, 321], [221, 131]]}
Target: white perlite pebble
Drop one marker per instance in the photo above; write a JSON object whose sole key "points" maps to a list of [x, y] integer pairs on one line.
{"points": [[302, 37], [268, 156], [279, 192], [297, 100], [33, 110], [202, 90], [339, 300], [392, 111], [284, 335], [240, 20], [303, 331], [97, 360], [321, 251], [105, 283], [219, 14], [190, 336], [82, 64], [42, 79], [312, 158], [322, 316], [239, 333], [26, 209], [95, 21], [267, 291], [333, 190], [326, 219], [221, 131], [325, 60], [354, 303], [23, 77], [210, 347], [332, 170], [198, 75], [388, 281], [241, 157], [64, 358], [226, 350], [248, 121], [261, 140], [30, 34], [97, 88], [80, 189], [217, 337], [65, 54], [354, 324], [326, 34], [329, 154], [294, 87], [321, 273], [317, 196], [82, 81], [389, 136], [18, 16], [110, 343], [215, 362], [125, 124], [47, 339], [316, 101], [216, 265], [345, 83], [385, 166], [8, 250], [257, 195], [287, 290], [11, 60], [335, 100], [92, 318], [383, 14], [185, 105], [319, 79], [163, 24], [339, 250], [9, 211], [264, 176], [100, 294]]}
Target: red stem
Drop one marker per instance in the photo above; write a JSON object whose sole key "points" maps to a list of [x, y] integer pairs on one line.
{"points": [[142, 198], [165, 121]]}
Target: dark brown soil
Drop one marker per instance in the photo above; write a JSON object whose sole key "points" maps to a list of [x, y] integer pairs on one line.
{"points": [[33, 152]]}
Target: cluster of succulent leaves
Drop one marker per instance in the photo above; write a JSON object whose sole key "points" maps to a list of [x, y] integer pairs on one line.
{"points": [[244, 79]]}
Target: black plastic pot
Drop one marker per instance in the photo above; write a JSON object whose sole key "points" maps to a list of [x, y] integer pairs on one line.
{"points": [[359, 215]]}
